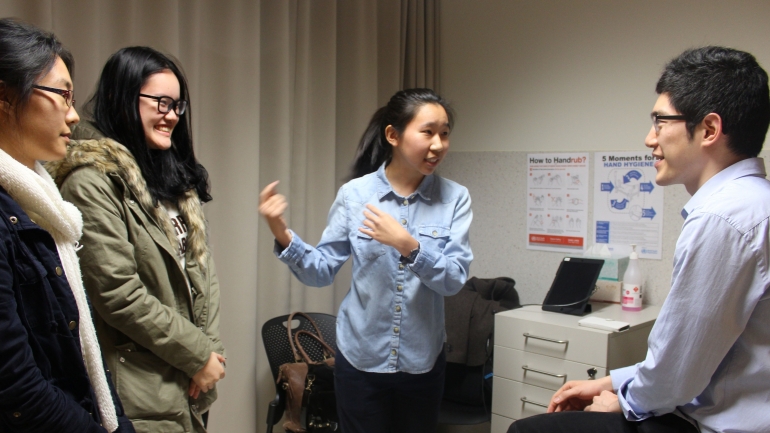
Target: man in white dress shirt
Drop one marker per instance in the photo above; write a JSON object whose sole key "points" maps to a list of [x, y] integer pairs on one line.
{"points": [[708, 359]]}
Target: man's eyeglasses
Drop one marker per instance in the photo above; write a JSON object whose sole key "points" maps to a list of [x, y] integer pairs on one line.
{"points": [[166, 104], [69, 95], [656, 118]]}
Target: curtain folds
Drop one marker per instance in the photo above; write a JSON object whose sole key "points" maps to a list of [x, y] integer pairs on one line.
{"points": [[280, 90], [420, 44]]}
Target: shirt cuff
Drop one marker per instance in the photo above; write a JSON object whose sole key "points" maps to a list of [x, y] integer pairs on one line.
{"points": [[621, 379], [291, 254], [424, 260], [621, 375]]}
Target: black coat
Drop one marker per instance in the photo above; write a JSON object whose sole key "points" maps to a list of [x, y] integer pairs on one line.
{"points": [[44, 386], [470, 318]]}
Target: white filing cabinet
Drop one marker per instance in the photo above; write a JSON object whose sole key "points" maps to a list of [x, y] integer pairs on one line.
{"points": [[537, 351]]}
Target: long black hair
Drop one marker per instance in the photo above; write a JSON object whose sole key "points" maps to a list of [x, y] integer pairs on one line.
{"points": [[374, 148], [115, 111], [27, 54]]}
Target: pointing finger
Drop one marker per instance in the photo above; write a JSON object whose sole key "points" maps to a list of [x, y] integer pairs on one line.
{"points": [[268, 191]]}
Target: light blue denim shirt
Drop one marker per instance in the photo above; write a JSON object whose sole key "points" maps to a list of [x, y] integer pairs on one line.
{"points": [[392, 319], [708, 355]]}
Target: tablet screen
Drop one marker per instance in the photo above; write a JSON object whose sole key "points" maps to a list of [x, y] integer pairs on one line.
{"points": [[572, 285]]}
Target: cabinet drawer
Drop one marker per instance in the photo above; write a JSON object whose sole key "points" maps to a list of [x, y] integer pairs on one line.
{"points": [[507, 398], [500, 424], [584, 345], [543, 371]]}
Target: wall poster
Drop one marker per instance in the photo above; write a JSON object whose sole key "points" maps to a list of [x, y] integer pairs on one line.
{"points": [[628, 205], [557, 202]]}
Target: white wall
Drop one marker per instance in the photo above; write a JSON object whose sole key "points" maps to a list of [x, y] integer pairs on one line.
{"points": [[579, 75], [551, 75]]}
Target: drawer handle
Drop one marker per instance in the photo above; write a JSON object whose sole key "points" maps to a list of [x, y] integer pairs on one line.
{"points": [[528, 335], [560, 376], [525, 400]]}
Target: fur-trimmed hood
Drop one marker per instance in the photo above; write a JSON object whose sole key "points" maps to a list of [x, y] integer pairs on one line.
{"points": [[109, 156]]}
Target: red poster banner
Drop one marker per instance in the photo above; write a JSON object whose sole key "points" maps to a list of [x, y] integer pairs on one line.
{"points": [[556, 240]]}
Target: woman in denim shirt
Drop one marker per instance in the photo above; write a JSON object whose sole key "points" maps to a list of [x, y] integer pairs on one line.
{"points": [[407, 231]]}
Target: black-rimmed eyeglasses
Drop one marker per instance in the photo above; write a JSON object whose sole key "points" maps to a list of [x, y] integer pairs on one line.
{"points": [[656, 118], [69, 95], [166, 104]]}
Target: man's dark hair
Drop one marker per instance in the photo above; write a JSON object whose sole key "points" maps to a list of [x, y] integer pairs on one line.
{"points": [[724, 81]]}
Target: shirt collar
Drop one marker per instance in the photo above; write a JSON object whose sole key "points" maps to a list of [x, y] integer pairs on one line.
{"points": [[384, 188], [742, 168]]}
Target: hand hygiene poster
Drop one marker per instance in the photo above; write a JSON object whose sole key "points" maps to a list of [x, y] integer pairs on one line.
{"points": [[557, 202], [628, 205]]}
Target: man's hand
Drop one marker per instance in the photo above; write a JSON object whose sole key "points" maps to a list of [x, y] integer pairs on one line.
{"points": [[210, 374], [578, 394], [386, 230], [271, 206], [607, 401]]}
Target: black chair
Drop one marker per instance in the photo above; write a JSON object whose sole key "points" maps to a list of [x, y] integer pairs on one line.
{"points": [[276, 340]]}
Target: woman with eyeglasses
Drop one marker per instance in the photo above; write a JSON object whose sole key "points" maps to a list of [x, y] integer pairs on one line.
{"points": [[146, 262], [52, 377]]}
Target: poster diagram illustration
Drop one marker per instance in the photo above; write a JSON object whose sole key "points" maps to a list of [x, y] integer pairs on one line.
{"points": [[626, 191], [628, 204], [557, 202]]}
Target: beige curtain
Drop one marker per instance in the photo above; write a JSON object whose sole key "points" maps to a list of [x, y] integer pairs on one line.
{"points": [[420, 44], [280, 90]]}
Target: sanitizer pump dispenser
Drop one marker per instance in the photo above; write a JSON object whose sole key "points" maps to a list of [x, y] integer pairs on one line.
{"points": [[632, 284]]}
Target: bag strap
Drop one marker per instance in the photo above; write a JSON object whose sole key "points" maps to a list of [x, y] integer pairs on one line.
{"points": [[328, 351], [291, 339]]}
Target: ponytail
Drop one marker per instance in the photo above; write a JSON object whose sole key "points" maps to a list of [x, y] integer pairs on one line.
{"points": [[374, 148]]}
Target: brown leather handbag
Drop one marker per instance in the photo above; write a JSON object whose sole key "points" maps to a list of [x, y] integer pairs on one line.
{"points": [[309, 384]]}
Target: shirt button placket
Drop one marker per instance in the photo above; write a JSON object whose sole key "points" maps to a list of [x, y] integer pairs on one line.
{"points": [[395, 339]]}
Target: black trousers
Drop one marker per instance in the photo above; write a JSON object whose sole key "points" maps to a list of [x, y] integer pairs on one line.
{"points": [[388, 402], [599, 422]]}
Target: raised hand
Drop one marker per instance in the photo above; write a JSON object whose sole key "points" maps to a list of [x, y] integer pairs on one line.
{"points": [[386, 230], [271, 207]]}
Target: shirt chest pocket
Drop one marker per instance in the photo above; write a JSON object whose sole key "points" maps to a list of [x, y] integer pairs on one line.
{"points": [[368, 248], [433, 237]]}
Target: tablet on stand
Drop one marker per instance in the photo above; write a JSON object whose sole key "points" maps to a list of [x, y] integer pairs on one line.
{"points": [[573, 285]]}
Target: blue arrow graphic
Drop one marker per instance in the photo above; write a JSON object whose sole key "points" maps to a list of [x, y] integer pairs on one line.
{"points": [[633, 174], [607, 186], [648, 213], [619, 204], [646, 187]]}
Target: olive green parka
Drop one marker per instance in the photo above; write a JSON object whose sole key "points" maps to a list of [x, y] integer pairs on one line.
{"points": [[155, 332]]}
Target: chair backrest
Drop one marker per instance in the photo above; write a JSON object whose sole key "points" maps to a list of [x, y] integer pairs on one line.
{"points": [[276, 340]]}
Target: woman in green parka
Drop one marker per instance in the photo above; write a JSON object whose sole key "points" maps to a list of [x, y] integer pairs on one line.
{"points": [[145, 258]]}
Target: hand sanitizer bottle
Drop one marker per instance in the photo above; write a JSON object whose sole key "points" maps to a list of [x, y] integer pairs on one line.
{"points": [[631, 298]]}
